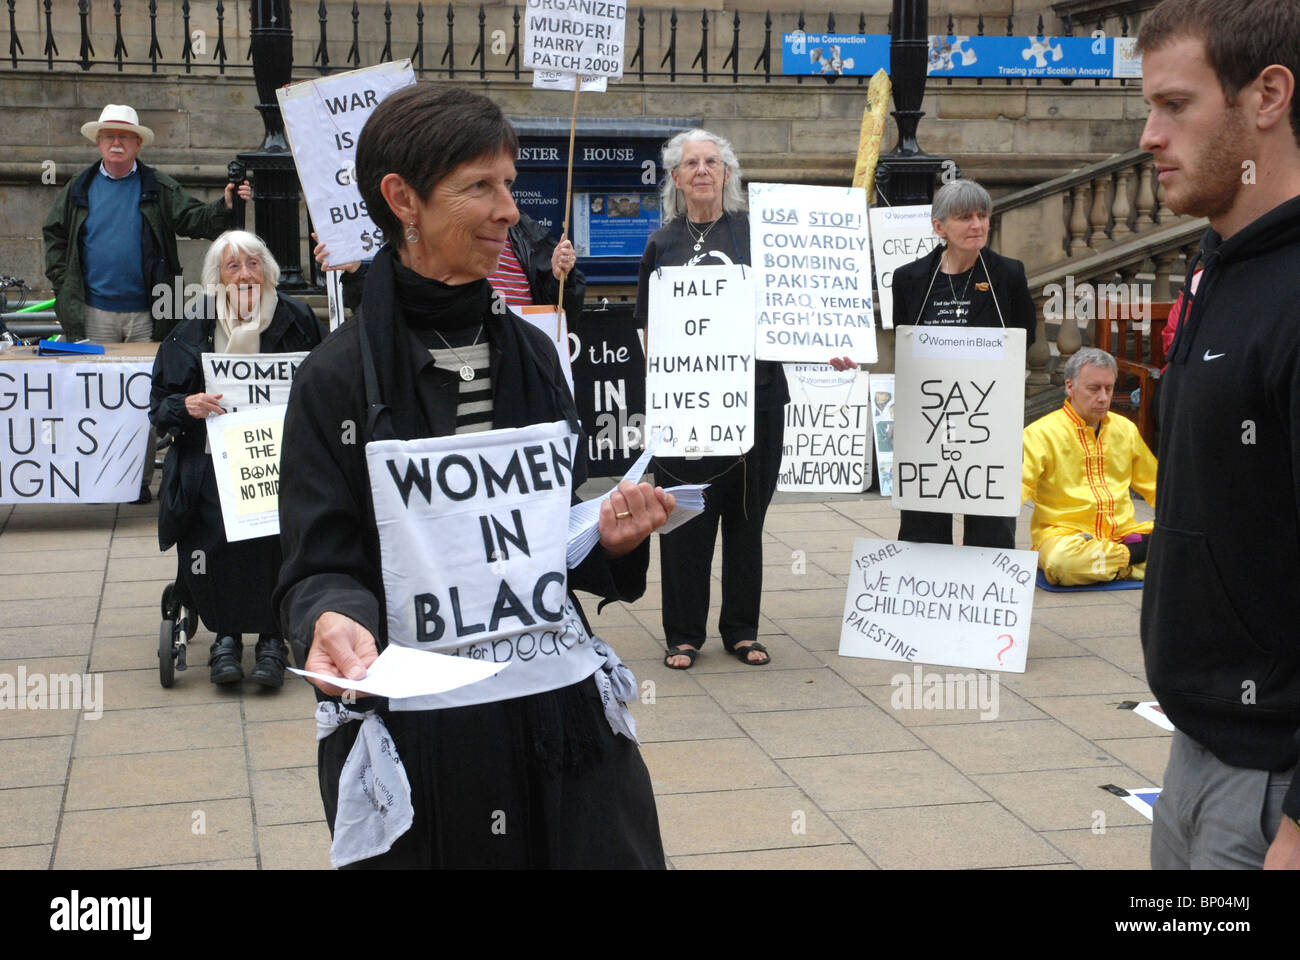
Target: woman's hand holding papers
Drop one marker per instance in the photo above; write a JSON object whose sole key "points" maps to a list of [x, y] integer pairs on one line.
{"points": [[340, 647], [630, 514]]}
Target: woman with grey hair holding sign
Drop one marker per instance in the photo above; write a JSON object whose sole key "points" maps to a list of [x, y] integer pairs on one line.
{"points": [[962, 283], [705, 222], [230, 583]]}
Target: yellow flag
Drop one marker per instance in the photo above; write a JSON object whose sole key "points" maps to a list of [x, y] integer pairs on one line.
{"points": [[873, 127]]}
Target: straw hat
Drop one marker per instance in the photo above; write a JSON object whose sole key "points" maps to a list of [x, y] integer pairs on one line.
{"points": [[116, 116]]}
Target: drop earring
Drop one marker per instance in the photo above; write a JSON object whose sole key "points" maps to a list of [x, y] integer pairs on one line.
{"points": [[412, 234]]}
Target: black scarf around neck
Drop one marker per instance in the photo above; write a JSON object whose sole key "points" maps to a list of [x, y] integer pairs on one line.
{"points": [[526, 390]]}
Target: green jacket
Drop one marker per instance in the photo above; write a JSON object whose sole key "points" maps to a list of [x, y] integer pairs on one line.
{"points": [[167, 210]]}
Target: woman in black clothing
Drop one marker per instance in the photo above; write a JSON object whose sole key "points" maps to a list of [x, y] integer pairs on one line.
{"points": [[705, 223], [962, 283], [538, 779], [232, 587]]}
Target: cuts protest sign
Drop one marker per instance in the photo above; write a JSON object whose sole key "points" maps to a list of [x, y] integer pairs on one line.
{"points": [[609, 386], [812, 261], [575, 36], [73, 432], [473, 531], [323, 120], [940, 604], [700, 360], [827, 421], [960, 416], [899, 235], [246, 460], [882, 428], [250, 379]]}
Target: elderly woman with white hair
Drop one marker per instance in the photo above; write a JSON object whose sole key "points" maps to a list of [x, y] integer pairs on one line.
{"points": [[230, 584], [962, 283], [705, 222]]}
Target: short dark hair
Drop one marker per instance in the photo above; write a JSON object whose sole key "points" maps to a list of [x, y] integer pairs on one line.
{"points": [[1242, 37], [422, 133]]}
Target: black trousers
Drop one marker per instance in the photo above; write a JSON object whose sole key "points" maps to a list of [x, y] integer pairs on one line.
{"points": [[737, 501], [916, 526]]}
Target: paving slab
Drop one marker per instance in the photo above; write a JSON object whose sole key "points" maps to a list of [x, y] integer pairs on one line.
{"points": [[765, 688], [155, 835], [838, 856], [142, 779], [682, 718], [1007, 746], [874, 780], [287, 795], [698, 766], [295, 846], [161, 729], [824, 732], [727, 821], [29, 815]]}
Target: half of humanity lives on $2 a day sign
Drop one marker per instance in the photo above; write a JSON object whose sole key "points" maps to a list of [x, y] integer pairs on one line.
{"points": [[575, 36], [323, 120], [812, 261]]}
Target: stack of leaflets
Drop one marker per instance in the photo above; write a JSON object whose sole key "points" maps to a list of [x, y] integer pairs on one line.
{"points": [[584, 518]]}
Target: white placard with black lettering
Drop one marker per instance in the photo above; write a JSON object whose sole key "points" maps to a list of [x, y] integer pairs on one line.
{"points": [[812, 263], [250, 379], [73, 432], [555, 80], [334, 296], [700, 360], [554, 324], [899, 235], [959, 417], [323, 120], [567, 37], [882, 429], [827, 444], [939, 604], [245, 449], [472, 535]]}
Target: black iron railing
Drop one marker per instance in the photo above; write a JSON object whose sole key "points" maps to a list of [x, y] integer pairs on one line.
{"points": [[495, 51]]}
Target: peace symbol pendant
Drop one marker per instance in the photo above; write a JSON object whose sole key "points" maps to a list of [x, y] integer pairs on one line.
{"points": [[697, 248], [467, 372]]}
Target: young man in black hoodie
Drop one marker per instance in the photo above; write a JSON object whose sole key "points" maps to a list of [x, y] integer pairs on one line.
{"points": [[1222, 599]]}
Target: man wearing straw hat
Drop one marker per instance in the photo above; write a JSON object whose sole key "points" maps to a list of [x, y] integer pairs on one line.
{"points": [[110, 238]]}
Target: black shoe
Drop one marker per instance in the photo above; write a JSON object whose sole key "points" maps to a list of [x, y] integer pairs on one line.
{"points": [[271, 659], [224, 660]]}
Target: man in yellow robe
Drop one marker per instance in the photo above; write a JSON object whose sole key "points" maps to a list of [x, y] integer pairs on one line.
{"points": [[1079, 465]]}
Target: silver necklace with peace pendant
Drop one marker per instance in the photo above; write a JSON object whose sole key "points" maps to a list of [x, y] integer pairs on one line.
{"points": [[699, 241], [466, 368]]}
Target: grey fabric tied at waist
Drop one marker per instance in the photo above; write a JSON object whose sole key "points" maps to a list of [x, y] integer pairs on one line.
{"points": [[374, 805], [617, 686]]}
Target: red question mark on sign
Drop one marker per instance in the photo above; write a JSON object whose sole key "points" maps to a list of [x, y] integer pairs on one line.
{"points": [[1010, 643]]}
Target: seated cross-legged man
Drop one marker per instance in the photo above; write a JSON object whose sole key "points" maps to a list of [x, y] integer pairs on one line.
{"points": [[1079, 464]]}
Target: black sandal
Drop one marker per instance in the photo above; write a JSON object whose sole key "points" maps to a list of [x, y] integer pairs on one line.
{"points": [[687, 652], [742, 654]]}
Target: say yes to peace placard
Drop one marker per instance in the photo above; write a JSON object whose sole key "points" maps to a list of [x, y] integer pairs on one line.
{"points": [[575, 37], [959, 416], [936, 603], [812, 263], [250, 379], [323, 120], [700, 360]]}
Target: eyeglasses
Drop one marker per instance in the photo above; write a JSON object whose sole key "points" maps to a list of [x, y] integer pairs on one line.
{"points": [[713, 163]]}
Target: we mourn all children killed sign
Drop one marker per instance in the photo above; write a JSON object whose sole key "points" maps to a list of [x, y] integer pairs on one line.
{"points": [[323, 119], [246, 460], [472, 533], [826, 447], [959, 416], [700, 360], [73, 432], [812, 263], [250, 379], [576, 37], [940, 604]]}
